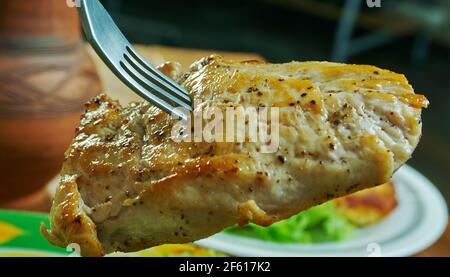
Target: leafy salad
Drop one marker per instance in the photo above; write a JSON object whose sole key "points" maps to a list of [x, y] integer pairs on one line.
{"points": [[317, 224]]}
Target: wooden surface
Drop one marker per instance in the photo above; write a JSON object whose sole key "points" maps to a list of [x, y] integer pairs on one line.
{"points": [[156, 55], [441, 248]]}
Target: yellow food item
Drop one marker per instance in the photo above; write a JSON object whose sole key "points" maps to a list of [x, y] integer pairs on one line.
{"points": [[8, 232], [172, 250], [368, 206]]}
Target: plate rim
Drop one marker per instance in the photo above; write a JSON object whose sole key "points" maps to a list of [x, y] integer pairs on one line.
{"points": [[429, 196]]}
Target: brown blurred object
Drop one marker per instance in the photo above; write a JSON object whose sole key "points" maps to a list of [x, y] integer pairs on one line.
{"points": [[46, 76], [368, 206], [441, 248]]}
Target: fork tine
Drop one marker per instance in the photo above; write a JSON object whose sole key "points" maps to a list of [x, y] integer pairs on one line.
{"points": [[151, 76], [151, 87], [155, 71], [136, 85], [111, 45]]}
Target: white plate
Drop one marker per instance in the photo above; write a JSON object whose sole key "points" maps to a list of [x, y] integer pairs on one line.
{"points": [[418, 221]]}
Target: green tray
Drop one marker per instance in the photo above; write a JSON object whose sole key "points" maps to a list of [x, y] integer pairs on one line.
{"points": [[20, 236]]}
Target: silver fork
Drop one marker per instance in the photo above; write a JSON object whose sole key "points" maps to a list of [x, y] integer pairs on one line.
{"points": [[127, 64]]}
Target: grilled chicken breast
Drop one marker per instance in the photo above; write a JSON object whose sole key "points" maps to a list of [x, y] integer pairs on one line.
{"points": [[126, 185]]}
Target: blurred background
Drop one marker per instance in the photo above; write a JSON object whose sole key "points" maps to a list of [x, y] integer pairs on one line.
{"points": [[409, 36]]}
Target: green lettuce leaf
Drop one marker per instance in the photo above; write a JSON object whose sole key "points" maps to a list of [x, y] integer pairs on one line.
{"points": [[318, 224]]}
